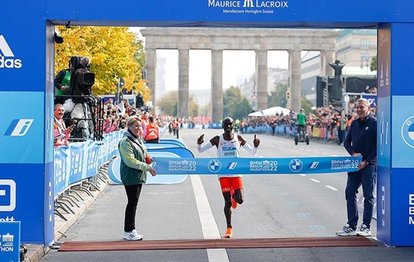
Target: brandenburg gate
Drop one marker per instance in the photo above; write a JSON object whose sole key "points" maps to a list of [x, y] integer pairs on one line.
{"points": [[219, 39]]}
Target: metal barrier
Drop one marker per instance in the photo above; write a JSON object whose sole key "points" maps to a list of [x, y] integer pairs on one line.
{"points": [[81, 167]]}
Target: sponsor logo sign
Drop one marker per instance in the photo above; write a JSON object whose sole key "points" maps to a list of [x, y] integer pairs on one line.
{"points": [[7, 195], [256, 7], [407, 131], [295, 165], [19, 127], [10, 241], [7, 57], [214, 165]]}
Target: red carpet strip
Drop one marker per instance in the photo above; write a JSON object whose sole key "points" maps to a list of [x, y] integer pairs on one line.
{"points": [[217, 243]]}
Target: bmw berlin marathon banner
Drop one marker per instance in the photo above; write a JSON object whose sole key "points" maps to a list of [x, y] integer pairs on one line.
{"points": [[9, 241], [255, 166]]}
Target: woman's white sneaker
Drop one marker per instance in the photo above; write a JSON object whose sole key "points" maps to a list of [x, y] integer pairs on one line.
{"points": [[132, 236], [347, 231], [364, 231]]}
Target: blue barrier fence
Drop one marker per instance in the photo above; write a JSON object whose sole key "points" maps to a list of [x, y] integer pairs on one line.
{"points": [[167, 148], [80, 161], [172, 141]]}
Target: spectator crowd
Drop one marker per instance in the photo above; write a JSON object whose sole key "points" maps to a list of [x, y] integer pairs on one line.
{"points": [[114, 118], [324, 123]]}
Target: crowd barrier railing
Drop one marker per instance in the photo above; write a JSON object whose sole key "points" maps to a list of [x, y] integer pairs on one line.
{"points": [[79, 163], [291, 130], [77, 167]]}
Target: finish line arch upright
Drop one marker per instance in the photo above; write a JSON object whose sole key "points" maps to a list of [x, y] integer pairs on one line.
{"points": [[26, 89]]}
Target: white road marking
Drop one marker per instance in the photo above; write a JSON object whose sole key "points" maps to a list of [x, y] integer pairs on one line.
{"points": [[208, 223], [331, 188], [316, 227], [315, 180]]}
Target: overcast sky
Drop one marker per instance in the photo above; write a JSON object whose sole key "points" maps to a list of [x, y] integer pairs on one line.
{"points": [[237, 66]]}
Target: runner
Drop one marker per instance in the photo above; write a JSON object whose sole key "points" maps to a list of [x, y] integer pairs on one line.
{"points": [[231, 184]]}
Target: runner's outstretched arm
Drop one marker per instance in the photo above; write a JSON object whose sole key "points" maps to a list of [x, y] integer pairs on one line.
{"points": [[248, 148], [201, 148], [204, 147]]}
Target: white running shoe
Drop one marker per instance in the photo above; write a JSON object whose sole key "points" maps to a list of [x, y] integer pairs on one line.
{"points": [[364, 231], [132, 236], [347, 231]]}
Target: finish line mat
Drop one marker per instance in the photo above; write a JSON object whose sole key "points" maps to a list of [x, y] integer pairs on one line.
{"points": [[217, 243]]}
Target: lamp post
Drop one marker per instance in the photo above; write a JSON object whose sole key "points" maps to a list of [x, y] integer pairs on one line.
{"points": [[118, 95]]}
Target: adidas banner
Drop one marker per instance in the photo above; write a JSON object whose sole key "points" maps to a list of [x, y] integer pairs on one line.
{"points": [[255, 166]]}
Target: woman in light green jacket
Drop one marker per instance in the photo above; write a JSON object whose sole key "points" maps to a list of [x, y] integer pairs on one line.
{"points": [[133, 173]]}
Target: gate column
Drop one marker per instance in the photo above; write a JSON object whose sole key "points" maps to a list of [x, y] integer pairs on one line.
{"points": [[295, 84], [217, 85], [327, 56], [183, 82], [150, 65], [261, 69]]}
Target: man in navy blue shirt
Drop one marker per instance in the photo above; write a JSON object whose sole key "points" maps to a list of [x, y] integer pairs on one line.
{"points": [[361, 140]]}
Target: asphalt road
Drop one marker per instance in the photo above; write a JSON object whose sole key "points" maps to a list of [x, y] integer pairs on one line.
{"points": [[276, 206]]}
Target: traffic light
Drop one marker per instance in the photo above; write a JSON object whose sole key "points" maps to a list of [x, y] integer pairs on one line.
{"points": [[144, 74], [287, 95]]}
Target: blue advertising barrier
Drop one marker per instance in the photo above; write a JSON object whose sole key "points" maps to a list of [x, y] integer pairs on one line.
{"points": [[156, 150], [174, 141], [256, 166], [10, 241], [182, 152], [166, 179], [113, 171], [62, 167], [156, 146], [80, 161], [176, 168], [214, 125], [91, 160], [78, 156]]}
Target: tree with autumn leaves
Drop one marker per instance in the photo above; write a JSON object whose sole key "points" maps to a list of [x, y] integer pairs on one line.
{"points": [[113, 51]]}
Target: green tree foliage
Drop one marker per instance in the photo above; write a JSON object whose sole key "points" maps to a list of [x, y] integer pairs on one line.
{"points": [[235, 105], [373, 65], [193, 107], [168, 104], [277, 97], [204, 110], [113, 51], [306, 104]]}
